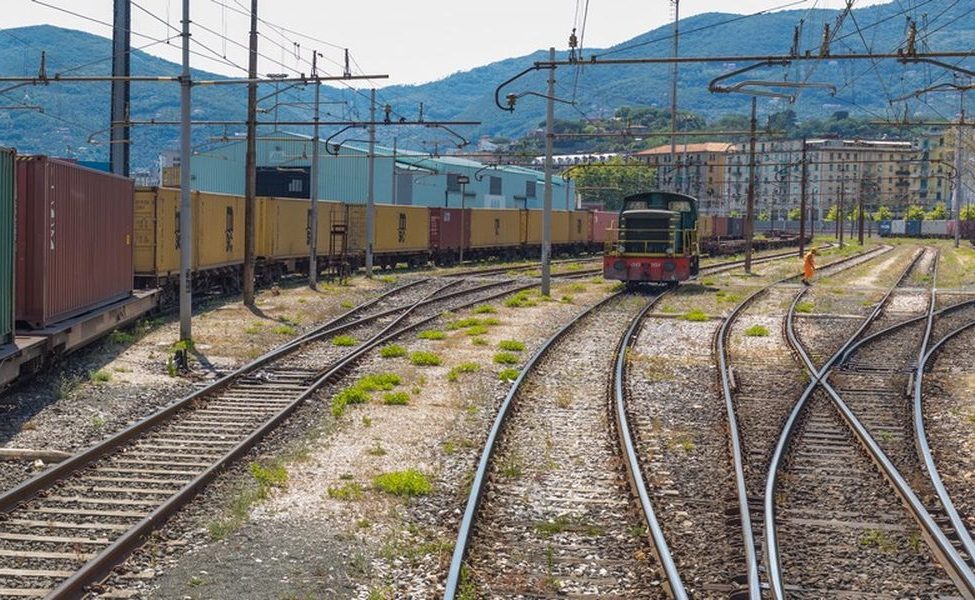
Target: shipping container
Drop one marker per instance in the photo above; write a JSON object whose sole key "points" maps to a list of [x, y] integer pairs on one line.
{"points": [[720, 227], [450, 230], [736, 227], [219, 217], [402, 233], [284, 228], [74, 240], [532, 227], [884, 228], [912, 228], [495, 228], [934, 228], [7, 193], [603, 224], [580, 227]]}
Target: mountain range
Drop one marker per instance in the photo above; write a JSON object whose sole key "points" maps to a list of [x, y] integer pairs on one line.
{"points": [[76, 115]]}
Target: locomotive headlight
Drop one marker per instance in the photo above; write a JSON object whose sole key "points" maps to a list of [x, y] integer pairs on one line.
{"points": [[670, 250], [621, 249]]}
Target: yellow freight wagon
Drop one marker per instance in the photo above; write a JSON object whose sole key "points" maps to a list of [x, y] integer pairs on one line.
{"points": [[495, 227], [219, 217], [580, 227], [402, 233]]}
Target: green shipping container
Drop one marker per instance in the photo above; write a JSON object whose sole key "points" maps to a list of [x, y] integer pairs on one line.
{"points": [[7, 187]]}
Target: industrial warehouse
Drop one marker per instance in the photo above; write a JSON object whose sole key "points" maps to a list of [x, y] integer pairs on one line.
{"points": [[552, 300]]}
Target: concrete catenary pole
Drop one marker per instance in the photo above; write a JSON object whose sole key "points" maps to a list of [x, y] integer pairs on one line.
{"points": [[371, 193], [803, 185], [185, 206], [315, 160], [250, 166], [750, 206], [547, 206], [673, 89], [118, 149], [956, 190]]}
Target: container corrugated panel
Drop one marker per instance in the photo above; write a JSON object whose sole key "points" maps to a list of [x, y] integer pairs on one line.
{"points": [[560, 227], [74, 240], [913, 228], [705, 226], [935, 227], [720, 227], [736, 227], [7, 190], [898, 227], [401, 229], [602, 222], [495, 227], [580, 225], [446, 226]]}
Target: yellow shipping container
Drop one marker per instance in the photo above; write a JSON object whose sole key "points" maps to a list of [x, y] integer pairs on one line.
{"points": [[157, 251], [284, 227], [399, 229], [532, 227], [580, 226], [495, 227]]}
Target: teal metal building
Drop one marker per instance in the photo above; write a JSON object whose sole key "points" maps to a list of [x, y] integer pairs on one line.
{"points": [[401, 177]]}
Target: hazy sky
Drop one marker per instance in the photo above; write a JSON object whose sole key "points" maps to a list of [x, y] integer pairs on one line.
{"points": [[413, 42]]}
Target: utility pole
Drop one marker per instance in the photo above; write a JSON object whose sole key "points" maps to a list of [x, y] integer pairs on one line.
{"points": [[804, 182], [395, 195], [250, 167], [956, 190], [750, 208], [118, 149], [860, 213], [371, 197], [547, 206], [673, 82], [840, 210], [315, 160], [185, 205]]}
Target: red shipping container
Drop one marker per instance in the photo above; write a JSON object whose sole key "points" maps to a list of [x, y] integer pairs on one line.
{"points": [[74, 239], [445, 229], [602, 222], [720, 228]]}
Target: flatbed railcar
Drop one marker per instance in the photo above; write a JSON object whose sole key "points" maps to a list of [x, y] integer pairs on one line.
{"points": [[656, 240]]}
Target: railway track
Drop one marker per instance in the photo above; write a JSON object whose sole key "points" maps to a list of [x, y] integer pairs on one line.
{"points": [[832, 528], [64, 530], [565, 524]]}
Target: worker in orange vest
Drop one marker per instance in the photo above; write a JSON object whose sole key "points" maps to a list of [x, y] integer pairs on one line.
{"points": [[809, 266]]}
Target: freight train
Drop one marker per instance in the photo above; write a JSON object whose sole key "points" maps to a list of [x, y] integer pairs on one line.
{"points": [[929, 228], [405, 235]]}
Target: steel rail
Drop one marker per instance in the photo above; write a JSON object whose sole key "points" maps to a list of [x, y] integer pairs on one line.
{"points": [[480, 476], [465, 531], [950, 559], [675, 586], [721, 348], [921, 436], [102, 563]]}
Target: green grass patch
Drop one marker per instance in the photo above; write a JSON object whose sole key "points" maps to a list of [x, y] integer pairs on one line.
{"points": [[255, 328], [467, 367], [99, 376], [432, 334], [508, 375], [405, 484], [511, 345], [396, 398], [345, 492], [346, 304], [490, 322], [268, 477], [463, 323], [344, 340], [378, 382], [285, 330], [121, 337], [476, 330], [522, 299], [479, 341], [805, 307], [724, 296], [392, 351], [757, 331], [506, 358], [695, 315], [425, 359], [485, 309]]}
